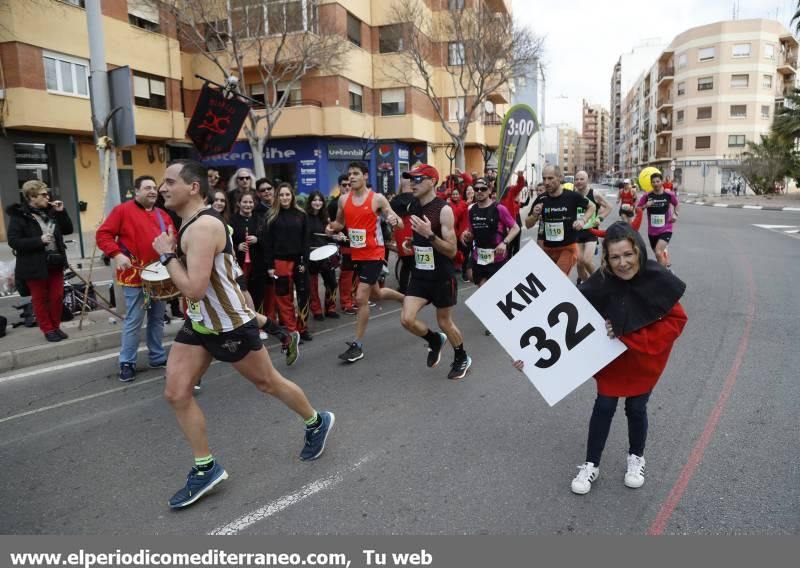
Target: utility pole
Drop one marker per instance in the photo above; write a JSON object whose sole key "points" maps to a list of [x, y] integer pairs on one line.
{"points": [[101, 100]]}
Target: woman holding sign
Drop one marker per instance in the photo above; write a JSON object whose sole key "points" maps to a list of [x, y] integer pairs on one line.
{"points": [[640, 301]]}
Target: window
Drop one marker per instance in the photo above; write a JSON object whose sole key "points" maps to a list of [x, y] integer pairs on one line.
{"points": [[736, 141], [703, 113], [295, 95], [740, 81], [679, 116], [393, 102], [765, 111], [738, 111], [353, 29], [682, 60], [35, 161], [66, 75], [678, 144], [455, 53], [741, 50], [390, 38], [143, 14], [769, 51], [356, 97], [455, 107], [285, 16], [149, 91], [681, 88], [705, 83], [217, 35], [702, 142], [706, 53], [455, 4], [766, 81], [256, 18], [248, 19], [257, 93]]}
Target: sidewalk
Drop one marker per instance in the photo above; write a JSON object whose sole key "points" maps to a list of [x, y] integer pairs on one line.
{"points": [[26, 346], [784, 202]]}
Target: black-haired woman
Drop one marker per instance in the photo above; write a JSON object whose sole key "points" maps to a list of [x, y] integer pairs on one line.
{"points": [[317, 221]]}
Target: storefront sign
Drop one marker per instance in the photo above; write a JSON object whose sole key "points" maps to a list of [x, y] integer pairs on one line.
{"points": [[352, 152]]}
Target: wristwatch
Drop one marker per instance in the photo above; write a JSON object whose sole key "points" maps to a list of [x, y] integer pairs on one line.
{"points": [[166, 257]]}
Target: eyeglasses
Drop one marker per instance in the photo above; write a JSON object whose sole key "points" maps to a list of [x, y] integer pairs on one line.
{"points": [[482, 188], [418, 179]]}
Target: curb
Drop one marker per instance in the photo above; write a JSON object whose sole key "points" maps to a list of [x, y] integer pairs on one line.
{"points": [[739, 206], [47, 353]]}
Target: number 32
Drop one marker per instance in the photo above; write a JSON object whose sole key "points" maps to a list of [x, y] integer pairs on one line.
{"points": [[572, 337]]}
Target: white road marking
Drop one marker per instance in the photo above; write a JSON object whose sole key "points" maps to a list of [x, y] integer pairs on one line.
{"points": [[791, 209], [793, 231], [752, 207], [238, 525], [775, 226], [720, 205]]}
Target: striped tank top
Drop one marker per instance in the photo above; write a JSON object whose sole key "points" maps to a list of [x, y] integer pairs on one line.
{"points": [[223, 308]]}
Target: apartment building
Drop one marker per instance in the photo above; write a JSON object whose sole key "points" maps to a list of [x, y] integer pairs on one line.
{"points": [[714, 88], [595, 140], [571, 151], [326, 124]]}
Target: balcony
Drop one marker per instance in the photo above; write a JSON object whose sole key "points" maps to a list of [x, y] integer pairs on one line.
{"points": [[663, 155], [664, 128], [666, 74], [499, 6], [787, 64], [664, 103], [300, 118]]}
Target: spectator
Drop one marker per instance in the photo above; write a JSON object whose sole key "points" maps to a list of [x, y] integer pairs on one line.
{"points": [[127, 236], [36, 232]]}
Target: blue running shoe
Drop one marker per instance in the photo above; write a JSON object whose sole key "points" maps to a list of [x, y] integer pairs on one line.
{"points": [[459, 368], [198, 483], [316, 437]]}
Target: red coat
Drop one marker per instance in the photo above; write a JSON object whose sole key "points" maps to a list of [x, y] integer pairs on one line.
{"points": [[130, 230], [509, 199], [460, 217], [638, 369]]}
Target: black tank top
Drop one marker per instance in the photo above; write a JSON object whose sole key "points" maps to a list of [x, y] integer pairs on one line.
{"points": [[429, 263]]}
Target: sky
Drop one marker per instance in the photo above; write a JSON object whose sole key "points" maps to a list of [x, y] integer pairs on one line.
{"points": [[584, 39]]}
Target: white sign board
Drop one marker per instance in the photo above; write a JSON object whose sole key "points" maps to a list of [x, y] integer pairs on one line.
{"points": [[537, 315]]}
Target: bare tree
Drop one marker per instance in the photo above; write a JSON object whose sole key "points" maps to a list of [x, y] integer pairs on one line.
{"points": [[282, 41], [482, 51]]}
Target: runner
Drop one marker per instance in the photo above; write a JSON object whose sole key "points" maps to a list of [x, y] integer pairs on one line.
{"points": [[202, 264], [558, 210], [587, 242], [347, 279], [491, 229], [433, 279], [627, 200], [359, 211], [662, 212]]}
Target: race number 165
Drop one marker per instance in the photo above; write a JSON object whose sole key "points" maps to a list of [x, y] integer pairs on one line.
{"points": [[572, 337]]}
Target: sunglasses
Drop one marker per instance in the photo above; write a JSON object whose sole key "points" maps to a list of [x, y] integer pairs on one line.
{"points": [[240, 178], [418, 179], [263, 189], [482, 188]]}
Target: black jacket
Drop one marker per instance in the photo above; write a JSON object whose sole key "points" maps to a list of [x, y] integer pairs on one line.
{"points": [[25, 238], [287, 237]]}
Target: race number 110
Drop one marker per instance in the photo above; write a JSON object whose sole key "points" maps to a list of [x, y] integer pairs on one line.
{"points": [[572, 337]]}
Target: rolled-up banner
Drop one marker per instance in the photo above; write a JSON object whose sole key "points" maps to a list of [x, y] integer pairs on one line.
{"points": [[216, 121], [519, 125]]}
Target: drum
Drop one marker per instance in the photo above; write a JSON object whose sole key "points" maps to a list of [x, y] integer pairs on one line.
{"points": [[157, 284], [323, 252]]}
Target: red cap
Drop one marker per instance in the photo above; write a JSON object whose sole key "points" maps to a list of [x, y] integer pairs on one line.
{"points": [[422, 170]]}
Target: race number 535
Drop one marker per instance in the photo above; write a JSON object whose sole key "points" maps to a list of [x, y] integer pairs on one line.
{"points": [[538, 338]]}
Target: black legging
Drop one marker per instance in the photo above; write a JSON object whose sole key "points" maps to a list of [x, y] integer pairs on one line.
{"points": [[600, 424]]}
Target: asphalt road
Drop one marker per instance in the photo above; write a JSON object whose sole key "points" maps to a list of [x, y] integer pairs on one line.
{"points": [[414, 453]]}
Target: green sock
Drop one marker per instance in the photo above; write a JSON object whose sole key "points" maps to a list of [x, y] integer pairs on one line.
{"points": [[313, 422], [204, 464]]}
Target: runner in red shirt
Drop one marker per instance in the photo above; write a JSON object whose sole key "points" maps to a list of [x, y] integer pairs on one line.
{"points": [[359, 211]]}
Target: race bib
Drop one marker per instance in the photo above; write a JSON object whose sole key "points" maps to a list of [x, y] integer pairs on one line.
{"points": [[194, 310], [358, 238], [423, 257], [554, 232], [485, 256], [658, 220]]}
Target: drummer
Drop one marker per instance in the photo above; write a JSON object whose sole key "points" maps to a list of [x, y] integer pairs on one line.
{"points": [[126, 236]]}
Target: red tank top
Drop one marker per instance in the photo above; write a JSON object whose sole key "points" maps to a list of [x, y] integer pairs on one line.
{"points": [[363, 229], [626, 196]]}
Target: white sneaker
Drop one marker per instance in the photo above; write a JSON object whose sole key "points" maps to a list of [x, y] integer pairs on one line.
{"points": [[587, 473], [634, 477]]}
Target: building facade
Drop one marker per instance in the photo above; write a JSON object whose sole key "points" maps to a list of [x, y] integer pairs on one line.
{"points": [[713, 89], [595, 140], [571, 151], [329, 119]]}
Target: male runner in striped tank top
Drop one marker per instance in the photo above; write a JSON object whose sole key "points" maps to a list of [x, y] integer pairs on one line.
{"points": [[202, 264], [359, 212], [433, 279]]}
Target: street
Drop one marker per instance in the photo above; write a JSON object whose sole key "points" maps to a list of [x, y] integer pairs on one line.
{"points": [[414, 453]]}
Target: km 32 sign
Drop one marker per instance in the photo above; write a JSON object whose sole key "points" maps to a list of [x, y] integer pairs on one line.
{"points": [[537, 315]]}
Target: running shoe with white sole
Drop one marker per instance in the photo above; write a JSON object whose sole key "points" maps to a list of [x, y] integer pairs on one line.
{"points": [[292, 348], [315, 438], [435, 351], [198, 483], [634, 477], [353, 353], [459, 368], [587, 473]]}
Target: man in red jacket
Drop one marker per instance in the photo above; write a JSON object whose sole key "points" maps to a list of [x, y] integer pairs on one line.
{"points": [[127, 237]]}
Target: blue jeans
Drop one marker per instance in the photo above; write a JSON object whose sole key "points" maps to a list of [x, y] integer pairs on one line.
{"points": [[134, 300]]}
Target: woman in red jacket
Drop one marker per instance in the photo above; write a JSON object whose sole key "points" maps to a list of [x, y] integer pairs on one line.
{"points": [[640, 301]]}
